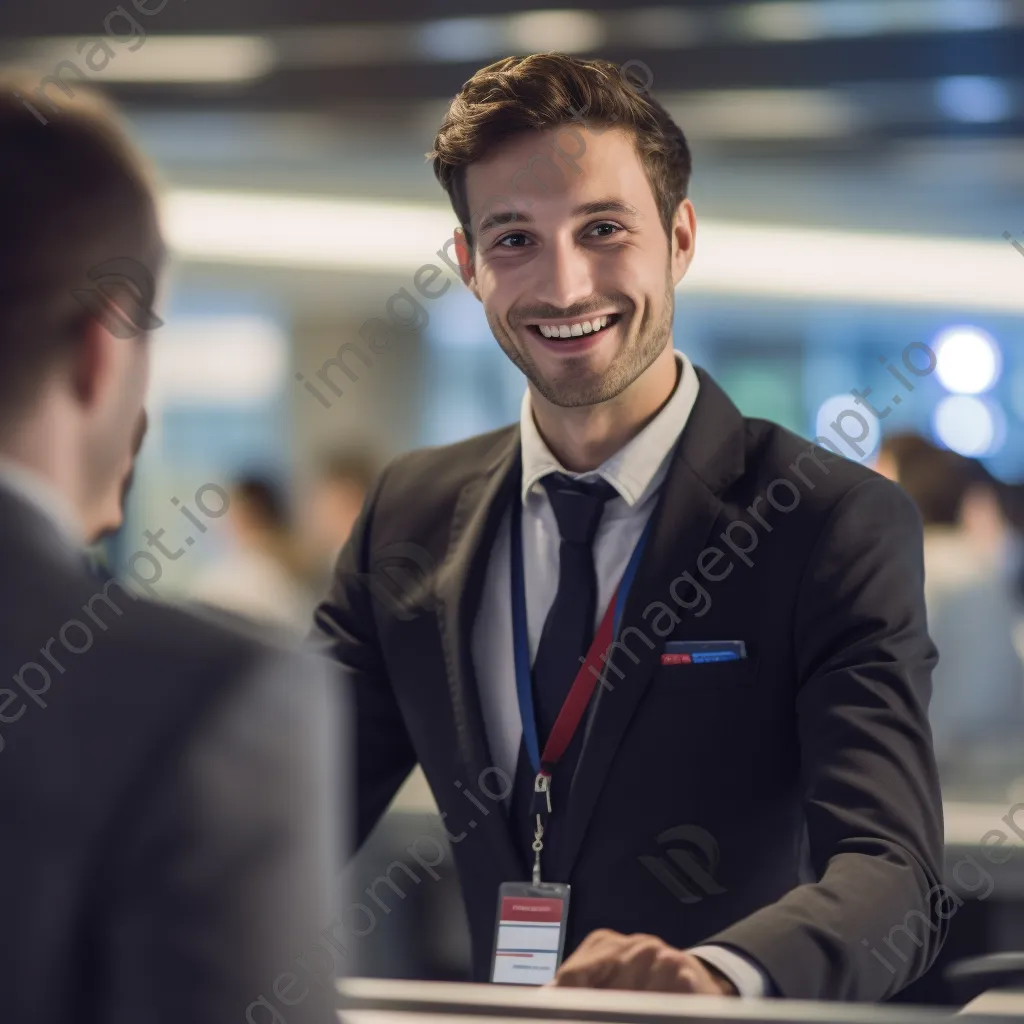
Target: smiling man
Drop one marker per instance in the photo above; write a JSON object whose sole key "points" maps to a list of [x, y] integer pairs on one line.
{"points": [[749, 797]]}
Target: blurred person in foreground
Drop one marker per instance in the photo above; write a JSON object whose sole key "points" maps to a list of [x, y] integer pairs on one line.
{"points": [[971, 552], [167, 787], [796, 756], [264, 574]]}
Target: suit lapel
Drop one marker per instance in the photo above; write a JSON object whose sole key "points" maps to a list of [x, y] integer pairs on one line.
{"points": [[708, 456], [478, 513]]}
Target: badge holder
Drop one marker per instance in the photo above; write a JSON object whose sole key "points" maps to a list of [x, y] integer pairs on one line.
{"points": [[529, 937]]}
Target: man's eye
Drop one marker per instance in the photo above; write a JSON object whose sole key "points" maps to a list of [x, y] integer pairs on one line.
{"points": [[605, 229], [515, 240]]}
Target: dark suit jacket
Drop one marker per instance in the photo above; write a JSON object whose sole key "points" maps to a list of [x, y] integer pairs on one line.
{"points": [[164, 798], [800, 782]]}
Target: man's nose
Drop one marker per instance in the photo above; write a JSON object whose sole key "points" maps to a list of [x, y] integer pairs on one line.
{"points": [[566, 276]]}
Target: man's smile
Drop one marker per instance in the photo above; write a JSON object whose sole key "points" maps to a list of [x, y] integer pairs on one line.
{"points": [[574, 327]]}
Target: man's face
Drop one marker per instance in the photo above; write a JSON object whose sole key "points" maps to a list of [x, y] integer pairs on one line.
{"points": [[583, 253], [110, 516]]}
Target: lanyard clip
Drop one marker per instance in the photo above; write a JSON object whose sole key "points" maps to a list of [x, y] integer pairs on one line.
{"points": [[542, 784]]}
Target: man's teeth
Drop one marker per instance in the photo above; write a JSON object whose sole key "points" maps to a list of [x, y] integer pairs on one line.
{"points": [[576, 330]]}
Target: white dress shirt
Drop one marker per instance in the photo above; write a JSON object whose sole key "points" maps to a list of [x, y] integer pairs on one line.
{"points": [[636, 472]]}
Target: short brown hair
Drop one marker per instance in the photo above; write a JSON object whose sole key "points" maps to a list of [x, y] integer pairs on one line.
{"points": [[74, 195], [549, 90]]}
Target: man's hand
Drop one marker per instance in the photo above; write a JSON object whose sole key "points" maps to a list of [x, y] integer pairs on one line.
{"points": [[607, 959]]}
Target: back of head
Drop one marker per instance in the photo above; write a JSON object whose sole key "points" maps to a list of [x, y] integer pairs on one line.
{"points": [[263, 503], [80, 233]]}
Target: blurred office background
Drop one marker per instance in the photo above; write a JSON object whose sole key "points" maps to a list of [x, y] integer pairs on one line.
{"points": [[859, 177]]}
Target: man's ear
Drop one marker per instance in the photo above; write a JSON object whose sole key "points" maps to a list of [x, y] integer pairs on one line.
{"points": [[683, 240], [92, 361], [464, 254]]}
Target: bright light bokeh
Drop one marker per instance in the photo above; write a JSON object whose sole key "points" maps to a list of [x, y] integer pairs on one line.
{"points": [[970, 426], [843, 411], [968, 360]]}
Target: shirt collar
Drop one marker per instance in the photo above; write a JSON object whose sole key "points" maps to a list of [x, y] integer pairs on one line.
{"points": [[33, 488], [636, 469]]}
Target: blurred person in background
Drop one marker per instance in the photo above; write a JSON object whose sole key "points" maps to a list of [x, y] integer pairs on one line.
{"points": [[264, 574], [971, 556], [167, 787], [960, 491], [336, 495]]}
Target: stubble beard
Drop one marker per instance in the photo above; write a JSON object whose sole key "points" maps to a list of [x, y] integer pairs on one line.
{"points": [[578, 385]]}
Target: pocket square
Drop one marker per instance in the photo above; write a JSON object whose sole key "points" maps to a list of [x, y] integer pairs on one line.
{"points": [[700, 652]]}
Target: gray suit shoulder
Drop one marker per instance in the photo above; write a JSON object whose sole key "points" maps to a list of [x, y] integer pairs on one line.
{"points": [[180, 642]]}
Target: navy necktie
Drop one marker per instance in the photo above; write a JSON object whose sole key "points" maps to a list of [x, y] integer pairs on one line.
{"points": [[569, 626], [567, 633]]}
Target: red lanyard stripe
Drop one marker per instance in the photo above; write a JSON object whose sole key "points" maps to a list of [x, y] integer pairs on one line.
{"points": [[576, 702]]}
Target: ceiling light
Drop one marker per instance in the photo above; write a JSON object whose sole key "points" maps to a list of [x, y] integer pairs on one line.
{"points": [[731, 258], [973, 99], [157, 59], [547, 31]]}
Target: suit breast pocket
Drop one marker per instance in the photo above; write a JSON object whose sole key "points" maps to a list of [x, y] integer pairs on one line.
{"points": [[701, 716], [713, 676], [711, 699]]}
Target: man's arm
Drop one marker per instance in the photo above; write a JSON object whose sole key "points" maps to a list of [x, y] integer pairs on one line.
{"points": [[345, 630], [875, 919], [223, 872]]}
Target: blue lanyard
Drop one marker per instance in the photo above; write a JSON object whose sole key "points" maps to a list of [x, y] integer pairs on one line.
{"points": [[520, 639]]}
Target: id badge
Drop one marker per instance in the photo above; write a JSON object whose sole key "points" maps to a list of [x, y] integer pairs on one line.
{"points": [[530, 933]]}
